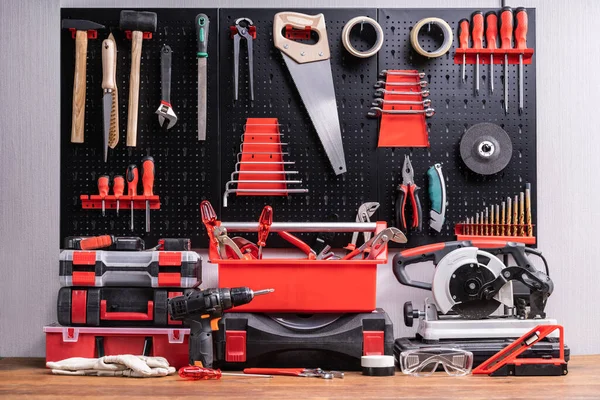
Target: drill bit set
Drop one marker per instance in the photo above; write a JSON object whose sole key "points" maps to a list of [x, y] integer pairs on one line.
{"points": [[511, 218]]}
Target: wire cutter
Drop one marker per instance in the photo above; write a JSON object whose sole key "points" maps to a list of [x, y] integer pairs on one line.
{"points": [[408, 189], [243, 28]]}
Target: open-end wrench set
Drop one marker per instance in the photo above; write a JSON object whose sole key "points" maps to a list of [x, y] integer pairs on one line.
{"points": [[338, 132]]}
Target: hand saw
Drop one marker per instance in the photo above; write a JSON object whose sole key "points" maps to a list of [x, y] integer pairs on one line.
{"points": [[310, 68]]}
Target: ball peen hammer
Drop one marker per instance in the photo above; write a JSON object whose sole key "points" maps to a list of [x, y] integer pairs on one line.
{"points": [[80, 28], [137, 22]]}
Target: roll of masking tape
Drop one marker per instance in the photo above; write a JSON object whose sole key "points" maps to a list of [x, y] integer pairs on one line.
{"points": [[446, 30], [346, 37]]}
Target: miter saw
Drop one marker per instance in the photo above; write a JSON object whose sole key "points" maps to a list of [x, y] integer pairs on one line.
{"points": [[476, 295]]}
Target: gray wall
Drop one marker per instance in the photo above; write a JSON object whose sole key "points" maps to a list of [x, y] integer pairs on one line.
{"points": [[568, 161]]}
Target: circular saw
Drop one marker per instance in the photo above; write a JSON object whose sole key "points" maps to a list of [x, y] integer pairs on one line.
{"points": [[471, 281]]}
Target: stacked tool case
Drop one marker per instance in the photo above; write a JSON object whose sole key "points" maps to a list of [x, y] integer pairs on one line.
{"points": [[115, 302]]}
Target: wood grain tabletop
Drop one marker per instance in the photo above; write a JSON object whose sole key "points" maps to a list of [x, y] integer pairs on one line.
{"points": [[28, 378]]}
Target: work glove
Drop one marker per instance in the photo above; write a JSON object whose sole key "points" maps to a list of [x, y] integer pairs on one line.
{"points": [[122, 365]]}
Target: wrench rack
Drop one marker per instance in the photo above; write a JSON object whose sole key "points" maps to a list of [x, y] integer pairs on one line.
{"points": [[188, 171]]}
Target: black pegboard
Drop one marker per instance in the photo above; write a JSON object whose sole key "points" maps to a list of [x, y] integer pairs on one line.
{"points": [[189, 171]]}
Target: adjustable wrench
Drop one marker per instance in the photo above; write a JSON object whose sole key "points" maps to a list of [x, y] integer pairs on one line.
{"points": [[365, 212], [165, 110]]}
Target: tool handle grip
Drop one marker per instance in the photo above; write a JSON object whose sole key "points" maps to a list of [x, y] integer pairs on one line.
{"points": [[435, 189], [79, 87], [264, 225], [165, 73], [201, 342], [298, 243], [96, 242], [477, 29], [202, 27], [400, 206], [148, 175], [108, 64], [134, 87], [301, 52], [103, 185], [521, 28], [491, 30], [118, 185], [506, 28], [463, 33], [416, 206], [132, 180]]}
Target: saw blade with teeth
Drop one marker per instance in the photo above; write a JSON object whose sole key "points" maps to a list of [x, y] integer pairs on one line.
{"points": [[113, 133]]}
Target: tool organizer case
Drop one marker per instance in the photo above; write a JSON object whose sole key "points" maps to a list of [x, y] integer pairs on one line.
{"points": [[256, 340], [483, 349], [66, 342], [130, 268], [188, 171], [115, 306]]}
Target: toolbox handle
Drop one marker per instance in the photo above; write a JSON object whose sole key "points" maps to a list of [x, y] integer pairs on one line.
{"points": [[126, 316]]}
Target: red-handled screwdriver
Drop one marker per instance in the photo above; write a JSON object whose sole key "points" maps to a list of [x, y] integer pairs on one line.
{"points": [[132, 181], [264, 226], [148, 184], [463, 37], [477, 37], [199, 373], [118, 187], [521, 44], [491, 38], [506, 35], [103, 190]]}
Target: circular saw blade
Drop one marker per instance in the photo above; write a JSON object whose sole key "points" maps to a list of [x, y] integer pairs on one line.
{"points": [[486, 148], [476, 309]]}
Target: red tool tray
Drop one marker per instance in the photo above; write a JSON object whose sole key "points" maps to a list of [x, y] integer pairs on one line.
{"points": [[65, 342], [302, 285]]}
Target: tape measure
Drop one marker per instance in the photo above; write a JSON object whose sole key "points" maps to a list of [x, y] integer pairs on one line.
{"points": [[447, 33], [346, 37]]}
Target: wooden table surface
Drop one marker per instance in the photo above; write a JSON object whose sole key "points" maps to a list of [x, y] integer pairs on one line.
{"points": [[28, 378]]}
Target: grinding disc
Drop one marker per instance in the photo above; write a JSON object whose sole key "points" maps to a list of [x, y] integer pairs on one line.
{"points": [[486, 148]]}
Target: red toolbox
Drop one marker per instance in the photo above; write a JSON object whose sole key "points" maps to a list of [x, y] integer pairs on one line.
{"points": [[303, 285], [130, 268], [65, 342], [115, 306]]}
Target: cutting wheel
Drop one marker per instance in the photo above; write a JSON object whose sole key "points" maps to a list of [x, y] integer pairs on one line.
{"points": [[486, 148], [458, 278]]}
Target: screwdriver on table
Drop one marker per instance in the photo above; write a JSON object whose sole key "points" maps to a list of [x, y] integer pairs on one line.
{"points": [[132, 181], [477, 37], [463, 37], [148, 184], [491, 34], [199, 373], [118, 187], [521, 43], [103, 190], [506, 32]]}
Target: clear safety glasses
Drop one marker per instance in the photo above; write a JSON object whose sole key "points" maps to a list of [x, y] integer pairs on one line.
{"points": [[424, 362]]}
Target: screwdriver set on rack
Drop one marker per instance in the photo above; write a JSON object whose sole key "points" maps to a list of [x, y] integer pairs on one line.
{"points": [[354, 136]]}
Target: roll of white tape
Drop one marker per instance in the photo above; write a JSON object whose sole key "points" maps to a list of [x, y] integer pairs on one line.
{"points": [[378, 365], [346, 37], [446, 30]]}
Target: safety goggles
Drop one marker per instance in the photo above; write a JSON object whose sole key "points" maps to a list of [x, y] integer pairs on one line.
{"points": [[424, 362]]}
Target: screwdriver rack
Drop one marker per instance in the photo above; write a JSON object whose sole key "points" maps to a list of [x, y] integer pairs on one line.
{"points": [[484, 56], [189, 171], [94, 201]]}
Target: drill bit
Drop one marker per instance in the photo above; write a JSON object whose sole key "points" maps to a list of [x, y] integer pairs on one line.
{"points": [[503, 219], [487, 216], [528, 209], [477, 224], [498, 222], [521, 214], [263, 292], [516, 216], [508, 216], [492, 221]]}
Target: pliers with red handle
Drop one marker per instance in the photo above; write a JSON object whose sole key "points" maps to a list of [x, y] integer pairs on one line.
{"points": [[408, 189]]}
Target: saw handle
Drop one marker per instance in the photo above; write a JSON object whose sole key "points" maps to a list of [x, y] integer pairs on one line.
{"points": [[108, 64], [301, 52], [134, 87]]}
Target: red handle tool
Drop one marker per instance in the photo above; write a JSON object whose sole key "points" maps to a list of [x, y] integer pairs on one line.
{"points": [[148, 184], [193, 372], [410, 191], [96, 242], [264, 226], [491, 35], [118, 188], [521, 28], [506, 32], [103, 190], [463, 40], [477, 36], [275, 371], [132, 180], [299, 244], [209, 219]]}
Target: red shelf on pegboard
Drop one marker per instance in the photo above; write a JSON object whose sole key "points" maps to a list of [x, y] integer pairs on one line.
{"points": [[110, 202], [484, 56]]}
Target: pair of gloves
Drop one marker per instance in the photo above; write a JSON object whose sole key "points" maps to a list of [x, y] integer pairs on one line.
{"points": [[126, 365]]}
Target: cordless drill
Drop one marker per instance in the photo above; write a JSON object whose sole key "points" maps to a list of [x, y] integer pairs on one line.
{"points": [[203, 309]]}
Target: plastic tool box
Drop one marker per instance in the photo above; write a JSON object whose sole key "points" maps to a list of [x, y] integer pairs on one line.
{"points": [[65, 342], [304, 285], [130, 268], [483, 349], [115, 306], [257, 340]]}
